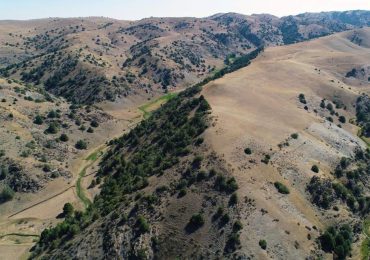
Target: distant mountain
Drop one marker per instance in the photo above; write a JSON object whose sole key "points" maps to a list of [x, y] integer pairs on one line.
{"points": [[93, 59]]}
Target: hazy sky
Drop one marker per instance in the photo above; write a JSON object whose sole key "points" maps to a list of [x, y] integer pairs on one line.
{"points": [[136, 9]]}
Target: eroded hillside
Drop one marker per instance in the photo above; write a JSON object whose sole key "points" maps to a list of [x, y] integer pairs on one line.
{"points": [[263, 163]]}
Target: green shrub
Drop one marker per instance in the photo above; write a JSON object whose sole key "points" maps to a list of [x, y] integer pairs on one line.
{"points": [[232, 243], [68, 210], [90, 130], [53, 128], [182, 193], [281, 188], [315, 168], [197, 162], [3, 172], [142, 225], [38, 120], [263, 244], [94, 123], [196, 221], [342, 119], [6, 194], [337, 240], [302, 98], [294, 136], [237, 226], [64, 138], [81, 145], [266, 159], [233, 199], [46, 168], [248, 150], [52, 114]]}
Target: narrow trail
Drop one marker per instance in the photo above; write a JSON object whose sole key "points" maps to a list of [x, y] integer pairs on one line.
{"points": [[40, 202]]}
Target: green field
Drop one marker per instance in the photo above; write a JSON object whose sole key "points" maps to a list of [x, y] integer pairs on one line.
{"points": [[149, 107]]}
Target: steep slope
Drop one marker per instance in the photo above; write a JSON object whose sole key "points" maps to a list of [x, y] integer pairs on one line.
{"points": [[257, 174], [94, 59], [260, 107]]}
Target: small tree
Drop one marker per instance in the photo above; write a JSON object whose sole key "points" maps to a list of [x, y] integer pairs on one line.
{"points": [[281, 188], [263, 244], [315, 168], [52, 129], [81, 145], [196, 221], [94, 123], [64, 138], [142, 224], [6, 194], [248, 150], [342, 119], [68, 210], [38, 120], [294, 136]]}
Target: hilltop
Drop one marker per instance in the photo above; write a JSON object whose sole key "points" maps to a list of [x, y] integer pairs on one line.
{"points": [[88, 60]]}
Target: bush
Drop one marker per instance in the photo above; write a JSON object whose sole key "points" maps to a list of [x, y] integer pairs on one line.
{"points": [[281, 188], [248, 151], [64, 138], [46, 168], [6, 194], [81, 145], [52, 129], [232, 243], [3, 172], [94, 123], [342, 119], [315, 168], [38, 120], [68, 210], [90, 130], [142, 225], [52, 114], [237, 226], [182, 193], [196, 221], [337, 240], [266, 159], [263, 244], [329, 107], [197, 162], [233, 199], [294, 136], [302, 98]]}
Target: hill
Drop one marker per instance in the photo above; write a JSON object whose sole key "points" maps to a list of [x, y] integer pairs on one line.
{"points": [[264, 162], [88, 60]]}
